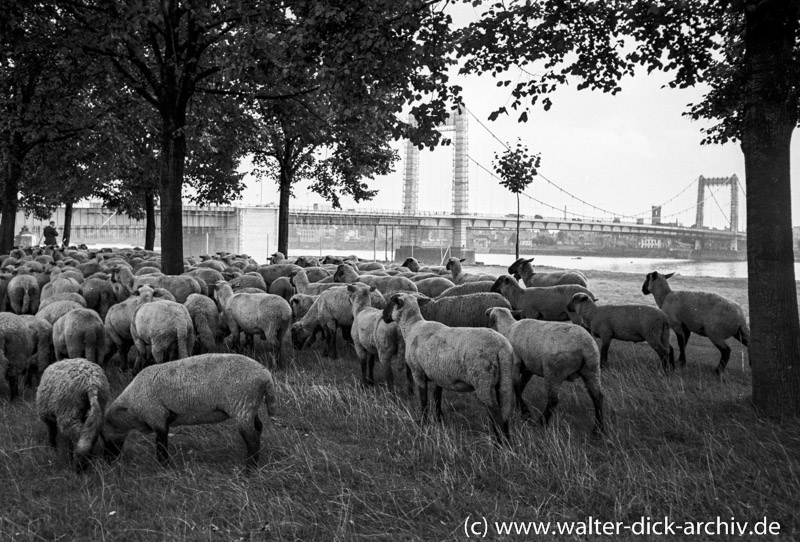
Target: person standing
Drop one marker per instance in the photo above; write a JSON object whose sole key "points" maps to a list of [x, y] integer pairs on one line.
{"points": [[50, 234]]}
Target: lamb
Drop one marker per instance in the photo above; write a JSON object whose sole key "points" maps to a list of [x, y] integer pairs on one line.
{"points": [[264, 314], [209, 388], [468, 288], [556, 351], [458, 359], [705, 313], [462, 311], [15, 349], [547, 303], [372, 337], [80, 334], [460, 277], [434, 286], [387, 285], [71, 400], [161, 330], [205, 317], [524, 269], [634, 323], [23, 294]]}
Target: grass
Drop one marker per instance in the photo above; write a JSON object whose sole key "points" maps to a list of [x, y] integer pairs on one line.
{"points": [[343, 463]]}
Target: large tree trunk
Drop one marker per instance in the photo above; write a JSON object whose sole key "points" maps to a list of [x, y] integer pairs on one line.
{"points": [[173, 158], [10, 204], [769, 119], [149, 220], [66, 232], [283, 211]]}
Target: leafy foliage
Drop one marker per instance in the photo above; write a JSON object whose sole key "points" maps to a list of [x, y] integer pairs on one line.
{"points": [[516, 167]]}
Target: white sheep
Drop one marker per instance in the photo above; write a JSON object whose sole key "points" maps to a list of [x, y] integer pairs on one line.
{"points": [[413, 265], [468, 288], [633, 323], [460, 276], [556, 351], [41, 332], [209, 388], [299, 279], [16, 346], [463, 310], [161, 330], [705, 313], [458, 359], [546, 303], [206, 320], [71, 400], [433, 286], [81, 334], [387, 285], [524, 269]]}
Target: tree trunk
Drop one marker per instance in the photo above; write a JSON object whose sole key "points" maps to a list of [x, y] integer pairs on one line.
{"points": [[516, 246], [149, 220], [173, 158], [10, 204], [769, 119], [66, 232], [283, 211]]}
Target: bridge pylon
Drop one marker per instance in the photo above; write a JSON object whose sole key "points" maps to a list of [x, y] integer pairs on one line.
{"points": [[733, 182]]}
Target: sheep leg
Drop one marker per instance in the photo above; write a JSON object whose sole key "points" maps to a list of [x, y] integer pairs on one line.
{"points": [[595, 390], [162, 446], [519, 387], [606, 344], [252, 442], [13, 385], [422, 390], [488, 396], [367, 362], [332, 340], [725, 352], [664, 351], [52, 432], [682, 340], [552, 401], [437, 401]]}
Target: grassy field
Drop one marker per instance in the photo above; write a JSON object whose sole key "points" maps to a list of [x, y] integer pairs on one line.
{"points": [[343, 463]]}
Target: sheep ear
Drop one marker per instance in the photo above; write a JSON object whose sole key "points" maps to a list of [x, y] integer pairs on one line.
{"points": [[527, 261], [517, 315], [372, 288], [462, 259], [669, 275]]}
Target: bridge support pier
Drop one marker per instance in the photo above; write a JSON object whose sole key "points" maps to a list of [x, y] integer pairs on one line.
{"points": [[459, 246]]}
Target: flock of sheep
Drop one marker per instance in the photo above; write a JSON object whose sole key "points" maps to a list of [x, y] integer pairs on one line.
{"points": [[65, 314]]}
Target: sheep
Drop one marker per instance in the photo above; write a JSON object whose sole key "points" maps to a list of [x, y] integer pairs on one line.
{"points": [[160, 328], [460, 277], [373, 337], [205, 318], [15, 349], [80, 334], [434, 286], [461, 311], [413, 265], [468, 288], [546, 303], [458, 359], [209, 388], [99, 295], [41, 332], [282, 286], [71, 401], [524, 269], [55, 310], [208, 275], [705, 313], [70, 296], [264, 314], [180, 286], [249, 280], [58, 285], [271, 272], [387, 285], [556, 351], [23, 294], [634, 323], [118, 327], [299, 280]]}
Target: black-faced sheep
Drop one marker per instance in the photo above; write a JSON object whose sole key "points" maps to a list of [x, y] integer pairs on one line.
{"points": [[460, 276], [458, 359], [71, 400], [556, 351], [547, 303], [209, 388], [633, 323], [524, 269], [705, 313]]}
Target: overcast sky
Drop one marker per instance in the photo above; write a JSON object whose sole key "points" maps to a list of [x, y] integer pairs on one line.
{"points": [[621, 153]]}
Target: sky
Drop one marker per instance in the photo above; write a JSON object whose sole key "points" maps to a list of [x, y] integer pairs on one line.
{"points": [[621, 153]]}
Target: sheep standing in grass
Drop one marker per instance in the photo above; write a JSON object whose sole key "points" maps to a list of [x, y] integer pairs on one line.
{"points": [[468, 288], [42, 343], [634, 323], [458, 359], [263, 314], [463, 310], [71, 399], [524, 269], [460, 276], [556, 351], [547, 303], [23, 293], [205, 318], [433, 286], [81, 334], [209, 388], [299, 280], [372, 337], [705, 313], [16, 346], [161, 330], [386, 285]]}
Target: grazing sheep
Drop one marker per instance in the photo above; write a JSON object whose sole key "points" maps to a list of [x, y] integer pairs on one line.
{"points": [[282, 286], [41, 332], [205, 317], [161, 330], [462, 311], [372, 337], [524, 269], [71, 400], [207, 275], [468, 288], [249, 280], [458, 359], [71, 296], [181, 286], [58, 285], [23, 294], [80, 334], [261, 314], [15, 349], [270, 272], [299, 280], [434, 286], [209, 388], [413, 265], [556, 351], [386, 285], [118, 327], [460, 277], [99, 295], [547, 303], [55, 310], [705, 313], [633, 323]]}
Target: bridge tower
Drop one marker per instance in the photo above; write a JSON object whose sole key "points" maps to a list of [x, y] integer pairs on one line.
{"points": [[457, 123], [702, 183]]}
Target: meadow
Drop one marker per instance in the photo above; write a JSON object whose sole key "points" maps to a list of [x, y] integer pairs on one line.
{"points": [[340, 462]]}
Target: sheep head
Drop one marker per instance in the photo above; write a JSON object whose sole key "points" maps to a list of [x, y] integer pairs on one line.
{"points": [[500, 283], [652, 278], [577, 301], [516, 267]]}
